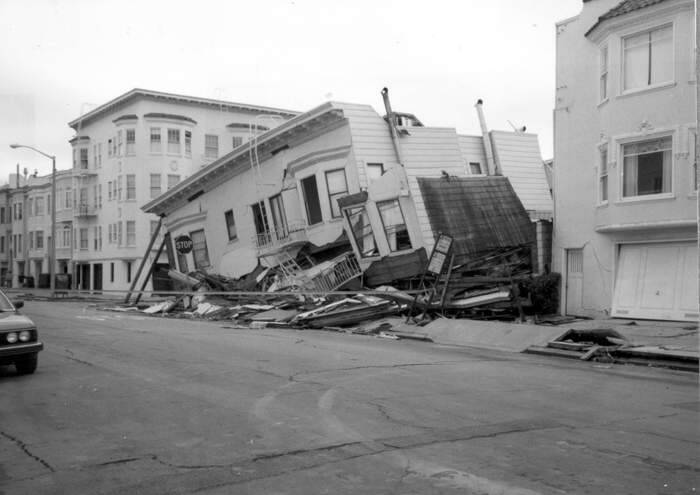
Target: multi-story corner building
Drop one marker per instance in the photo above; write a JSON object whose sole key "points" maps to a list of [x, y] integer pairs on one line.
{"points": [[127, 152], [25, 230], [625, 175]]}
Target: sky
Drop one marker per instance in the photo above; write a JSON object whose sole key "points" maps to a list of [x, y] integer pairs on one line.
{"points": [[62, 58]]}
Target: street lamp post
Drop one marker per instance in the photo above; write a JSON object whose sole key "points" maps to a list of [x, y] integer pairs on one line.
{"points": [[52, 247]]}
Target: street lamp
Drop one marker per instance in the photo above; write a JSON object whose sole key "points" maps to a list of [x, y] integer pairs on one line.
{"points": [[52, 252]]}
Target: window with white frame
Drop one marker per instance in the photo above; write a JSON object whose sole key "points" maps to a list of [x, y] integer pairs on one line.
{"points": [[173, 179], [130, 232], [337, 185], [119, 233], [603, 73], [155, 185], [119, 143], [119, 187], [66, 237], [39, 239], [361, 230], [174, 141], [647, 167], [236, 141], [603, 174], [155, 140], [109, 148], [394, 225], [130, 141], [30, 207], [99, 155], [648, 58], [84, 158], [188, 143], [30, 235], [130, 186], [83, 238], [211, 146], [39, 206], [199, 249], [475, 168], [68, 198]]}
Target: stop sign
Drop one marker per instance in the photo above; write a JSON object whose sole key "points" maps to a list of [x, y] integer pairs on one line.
{"points": [[183, 244]]}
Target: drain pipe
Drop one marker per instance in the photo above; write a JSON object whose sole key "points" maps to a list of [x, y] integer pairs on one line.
{"points": [[490, 161], [392, 128]]}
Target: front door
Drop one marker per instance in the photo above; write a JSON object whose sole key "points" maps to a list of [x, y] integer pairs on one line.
{"points": [[574, 282], [85, 277], [97, 276]]}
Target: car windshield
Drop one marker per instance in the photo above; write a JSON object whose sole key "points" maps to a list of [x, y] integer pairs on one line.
{"points": [[5, 304]]}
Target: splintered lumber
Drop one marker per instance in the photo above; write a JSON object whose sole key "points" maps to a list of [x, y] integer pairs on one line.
{"points": [[471, 302], [184, 278], [351, 316]]}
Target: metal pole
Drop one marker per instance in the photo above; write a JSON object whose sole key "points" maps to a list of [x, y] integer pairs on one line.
{"points": [[52, 258]]}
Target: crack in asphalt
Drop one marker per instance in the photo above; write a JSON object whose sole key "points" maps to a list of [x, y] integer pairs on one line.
{"points": [[373, 366], [383, 411], [24, 448]]}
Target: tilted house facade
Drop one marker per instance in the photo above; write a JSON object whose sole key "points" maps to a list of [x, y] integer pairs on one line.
{"points": [[333, 174], [625, 175]]}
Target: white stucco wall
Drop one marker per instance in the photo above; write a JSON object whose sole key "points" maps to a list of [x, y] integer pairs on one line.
{"points": [[583, 123]]}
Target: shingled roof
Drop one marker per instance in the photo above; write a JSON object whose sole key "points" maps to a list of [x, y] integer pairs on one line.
{"points": [[480, 213], [622, 8]]}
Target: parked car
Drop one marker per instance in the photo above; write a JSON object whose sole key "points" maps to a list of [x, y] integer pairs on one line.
{"points": [[19, 341]]}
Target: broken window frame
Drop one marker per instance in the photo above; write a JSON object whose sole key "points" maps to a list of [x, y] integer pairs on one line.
{"points": [[396, 237], [200, 255], [351, 212], [333, 195]]}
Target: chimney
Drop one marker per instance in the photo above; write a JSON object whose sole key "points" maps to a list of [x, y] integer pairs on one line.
{"points": [[490, 161]]}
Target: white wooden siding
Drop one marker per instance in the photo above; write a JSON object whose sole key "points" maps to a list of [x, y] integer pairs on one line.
{"points": [[427, 152], [521, 161], [472, 148], [371, 141]]}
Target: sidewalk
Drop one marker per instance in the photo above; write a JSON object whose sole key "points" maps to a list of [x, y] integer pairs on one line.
{"points": [[650, 339]]}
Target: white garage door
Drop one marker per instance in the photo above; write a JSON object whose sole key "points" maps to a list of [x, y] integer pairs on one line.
{"points": [[657, 281]]}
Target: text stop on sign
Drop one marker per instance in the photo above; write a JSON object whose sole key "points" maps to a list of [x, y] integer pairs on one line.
{"points": [[183, 244]]}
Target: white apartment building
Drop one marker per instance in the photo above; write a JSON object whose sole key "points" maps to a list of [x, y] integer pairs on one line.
{"points": [[127, 152], [625, 187]]}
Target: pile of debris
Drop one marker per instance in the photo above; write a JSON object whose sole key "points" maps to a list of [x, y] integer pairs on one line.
{"points": [[331, 294]]}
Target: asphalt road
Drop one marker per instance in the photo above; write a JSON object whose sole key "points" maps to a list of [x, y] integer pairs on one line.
{"points": [[123, 403]]}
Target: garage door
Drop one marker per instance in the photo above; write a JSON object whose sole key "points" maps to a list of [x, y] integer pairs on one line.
{"points": [[657, 281]]}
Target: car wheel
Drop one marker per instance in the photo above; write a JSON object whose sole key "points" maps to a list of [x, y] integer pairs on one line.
{"points": [[26, 365]]}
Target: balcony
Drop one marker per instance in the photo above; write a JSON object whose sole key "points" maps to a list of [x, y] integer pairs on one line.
{"points": [[84, 172], [84, 211], [277, 239]]}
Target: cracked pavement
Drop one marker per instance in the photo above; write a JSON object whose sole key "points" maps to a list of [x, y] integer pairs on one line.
{"points": [[125, 404]]}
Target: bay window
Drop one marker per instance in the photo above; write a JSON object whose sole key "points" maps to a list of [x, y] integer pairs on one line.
{"points": [[647, 167]]}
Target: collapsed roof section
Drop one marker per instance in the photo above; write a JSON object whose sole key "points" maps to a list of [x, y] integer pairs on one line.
{"points": [[480, 213]]}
